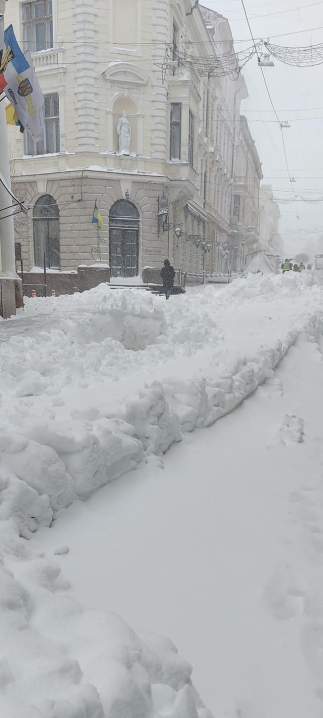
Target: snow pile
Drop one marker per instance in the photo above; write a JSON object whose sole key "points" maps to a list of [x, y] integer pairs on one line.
{"points": [[60, 661], [267, 287], [78, 413], [260, 263], [129, 317]]}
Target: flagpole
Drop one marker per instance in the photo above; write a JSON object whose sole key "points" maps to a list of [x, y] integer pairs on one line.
{"points": [[7, 235]]}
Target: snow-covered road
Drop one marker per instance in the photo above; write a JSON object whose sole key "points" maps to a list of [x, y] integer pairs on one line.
{"points": [[222, 549]]}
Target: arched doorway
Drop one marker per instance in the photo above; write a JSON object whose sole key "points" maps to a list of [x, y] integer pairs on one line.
{"points": [[124, 239], [46, 232]]}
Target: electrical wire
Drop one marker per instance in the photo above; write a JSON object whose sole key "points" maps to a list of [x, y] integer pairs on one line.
{"points": [[279, 12], [269, 96], [21, 204], [183, 42], [11, 215], [250, 30]]}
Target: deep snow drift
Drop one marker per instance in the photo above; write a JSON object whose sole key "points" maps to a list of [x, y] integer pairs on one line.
{"points": [[108, 379], [121, 374]]}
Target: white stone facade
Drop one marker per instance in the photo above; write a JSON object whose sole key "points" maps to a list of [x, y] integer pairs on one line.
{"points": [[108, 56], [245, 204]]}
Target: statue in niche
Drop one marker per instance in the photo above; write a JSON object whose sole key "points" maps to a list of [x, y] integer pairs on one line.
{"points": [[124, 132]]}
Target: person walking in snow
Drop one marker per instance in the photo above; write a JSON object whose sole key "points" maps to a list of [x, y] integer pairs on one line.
{"points": [[301, 267], [168, 275], [286, 266], [296, 268]]}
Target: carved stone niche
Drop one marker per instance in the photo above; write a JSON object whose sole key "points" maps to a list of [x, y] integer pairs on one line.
{"points": [[125, 80]]}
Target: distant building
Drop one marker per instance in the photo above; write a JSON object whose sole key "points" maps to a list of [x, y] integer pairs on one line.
{"points": [[162, 173], [245, 204], [269, 217]]}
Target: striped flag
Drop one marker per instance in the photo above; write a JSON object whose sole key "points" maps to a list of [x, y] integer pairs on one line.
{"points": [[97, 219]]}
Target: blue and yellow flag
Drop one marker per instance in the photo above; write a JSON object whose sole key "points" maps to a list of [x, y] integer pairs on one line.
{"points": [[97, 219], [11, 116], [13, 51]]}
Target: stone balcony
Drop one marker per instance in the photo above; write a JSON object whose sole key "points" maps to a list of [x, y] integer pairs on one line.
{"points": [[49, 60]]}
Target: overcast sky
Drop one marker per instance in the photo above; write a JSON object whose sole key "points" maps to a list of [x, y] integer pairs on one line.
{"points": [[297, 94]]}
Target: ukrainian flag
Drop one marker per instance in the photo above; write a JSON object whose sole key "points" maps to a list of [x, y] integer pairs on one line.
{"points": [[11, 116], [97, 219]]}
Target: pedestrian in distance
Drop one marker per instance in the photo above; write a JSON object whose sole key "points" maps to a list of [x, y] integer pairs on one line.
{"points": [[168, 275], [301, 267], [309, 266], [296, 268], [286, 266]]}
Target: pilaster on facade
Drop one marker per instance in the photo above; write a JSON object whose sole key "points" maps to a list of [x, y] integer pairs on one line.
{"points": [[159, 107], [86, 75]]}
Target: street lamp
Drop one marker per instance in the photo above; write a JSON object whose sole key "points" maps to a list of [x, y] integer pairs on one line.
{"points": [[265, 61], [177, 231]]}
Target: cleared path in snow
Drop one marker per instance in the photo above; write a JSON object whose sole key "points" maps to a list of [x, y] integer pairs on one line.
{"points": [[222, 550]]}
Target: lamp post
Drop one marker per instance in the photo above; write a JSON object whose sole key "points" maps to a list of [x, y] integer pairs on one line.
{"points": [[178, 233]]}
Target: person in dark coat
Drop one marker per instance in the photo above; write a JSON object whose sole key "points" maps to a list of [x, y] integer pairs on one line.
{"points": [[168, 275]]}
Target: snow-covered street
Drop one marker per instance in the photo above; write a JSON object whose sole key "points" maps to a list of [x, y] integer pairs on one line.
{"points": [[216, 544], [222, 549]]}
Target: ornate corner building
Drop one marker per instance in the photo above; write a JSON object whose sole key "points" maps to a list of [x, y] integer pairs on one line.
{"points": [[133, 125]]}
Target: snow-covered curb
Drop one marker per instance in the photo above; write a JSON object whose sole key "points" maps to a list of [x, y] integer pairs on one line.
{"points": [[49, 464]]}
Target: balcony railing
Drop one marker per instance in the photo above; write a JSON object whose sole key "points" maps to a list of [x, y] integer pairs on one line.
{"points": [[48, 58]]}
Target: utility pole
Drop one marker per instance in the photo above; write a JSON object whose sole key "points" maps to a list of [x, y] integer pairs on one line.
{"points": [[10, 284]]}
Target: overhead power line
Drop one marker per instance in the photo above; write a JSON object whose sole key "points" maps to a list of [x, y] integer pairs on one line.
{"points": [[279, 12], [269, 96]]}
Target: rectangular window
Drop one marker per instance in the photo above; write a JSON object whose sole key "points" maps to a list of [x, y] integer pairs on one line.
{"points": [[175, 41], [236, 205], [37, 24], [175, 130], [51, 140], [191, 139]]}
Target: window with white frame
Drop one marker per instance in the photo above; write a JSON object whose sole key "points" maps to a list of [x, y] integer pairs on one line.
{"points": [[175, 130], [51, 140], [37, 25]]}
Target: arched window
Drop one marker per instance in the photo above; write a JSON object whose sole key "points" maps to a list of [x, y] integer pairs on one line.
{"points": [[124, 239], [46, 232]]}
